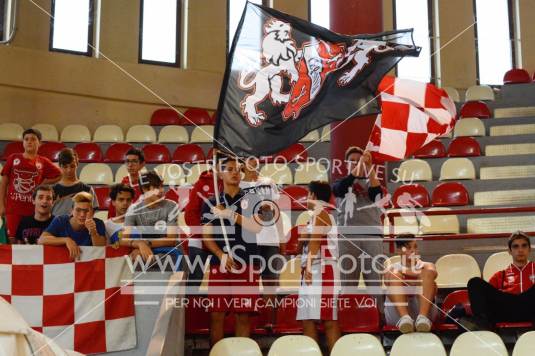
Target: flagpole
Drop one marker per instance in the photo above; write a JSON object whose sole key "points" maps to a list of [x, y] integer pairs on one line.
{"points": [[218, 202]]}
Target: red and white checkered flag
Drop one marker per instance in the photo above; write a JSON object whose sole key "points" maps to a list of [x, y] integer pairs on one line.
{"points": [[412, 115]]}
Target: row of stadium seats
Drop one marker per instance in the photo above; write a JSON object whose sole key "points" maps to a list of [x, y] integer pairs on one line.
{"points": [[475, 92], [458, 147], [415, 344]]}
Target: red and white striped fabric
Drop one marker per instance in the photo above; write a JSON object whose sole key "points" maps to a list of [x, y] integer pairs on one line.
{"points": [[78, 304], [412, 115]]}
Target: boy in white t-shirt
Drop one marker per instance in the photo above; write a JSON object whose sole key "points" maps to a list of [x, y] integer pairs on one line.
{"points": [[121, 196]]}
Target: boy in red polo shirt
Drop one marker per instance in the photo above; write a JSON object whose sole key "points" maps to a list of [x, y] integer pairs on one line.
{"points": [[20, 175], [509, 296]]}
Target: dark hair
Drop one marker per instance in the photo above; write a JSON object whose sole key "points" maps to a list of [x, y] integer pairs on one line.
{"points": [[32, 132], [150, 179], [518, 235], [67, 156], [136, 152], [119, 188], [403, 240], [223, 160], [352, 149], [321, 189], [44, 188]]}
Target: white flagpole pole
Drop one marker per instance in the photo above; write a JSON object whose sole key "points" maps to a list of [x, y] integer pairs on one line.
{"points": [[218, 202]]}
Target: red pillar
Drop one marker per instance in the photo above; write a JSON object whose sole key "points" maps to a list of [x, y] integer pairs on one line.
{"points": [[353, 17]]}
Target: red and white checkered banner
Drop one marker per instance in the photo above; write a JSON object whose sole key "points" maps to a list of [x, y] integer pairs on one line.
{"points": [[78, 304], [412, 115]]}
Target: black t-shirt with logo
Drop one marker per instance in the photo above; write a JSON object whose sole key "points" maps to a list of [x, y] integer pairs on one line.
{"points": [[30, 229]]}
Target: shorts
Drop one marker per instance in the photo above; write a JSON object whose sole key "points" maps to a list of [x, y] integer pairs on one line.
{"points": [[270, 270], [392, 316], [234, 292], [12, 224]]}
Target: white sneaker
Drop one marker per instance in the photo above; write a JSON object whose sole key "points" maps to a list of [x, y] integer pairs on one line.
{"points": [[423, 324], [405, 324]]}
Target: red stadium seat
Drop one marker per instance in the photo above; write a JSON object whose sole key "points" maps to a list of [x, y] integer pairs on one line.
{"points": [[88, 152], [475, 109], [103, 197], [214, 117], [292, 242], [286, 313], [116, 153], [295, 153], [416, 192], [156, 153], [51, 150], [188, 153], [434, 149], [464, 147], [163, 117], [450, 194], [516, 76], [297, 196], [12, 147], [358, 314], [196, 117]]}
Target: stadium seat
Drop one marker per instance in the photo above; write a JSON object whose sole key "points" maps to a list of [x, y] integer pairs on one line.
{"points": [[285, 322], [294, 345], [164, 117], [123, 172], [51, 150], [453, 94], [516, 76], [11, 148], [96, 173], [405, 224], [416, 192], [439, 224], [214, 117], [312, 136], [506, 172], [496, 262], [231, 346], [101, 214], [179, 195], [278, 172], [511, 130], [326, 133], [479, 92], [358, 344], [505, 197], [297, 196], [502, 224], [450, 194], [525, 345], [173, 134], [434, 149], [141, 133], [471, 126], [455, 270], [290, 275], [156, 153], [194, 172], [196, 116], [307, 172], [510, 149], [103, 197], [418, 344], [11, 132], [48, 131], [294, 153], [202, 134], [464, 147], [475, 109], [108, 133], [358, 313], [457, 168], [452, 299], [116, 153], [172, 174], [478, 343], [188, 153], [75, 133], [415, 170], [88, 152]]}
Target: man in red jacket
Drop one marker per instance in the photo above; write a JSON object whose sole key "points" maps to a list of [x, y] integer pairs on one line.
{"points": [[509, 296]]}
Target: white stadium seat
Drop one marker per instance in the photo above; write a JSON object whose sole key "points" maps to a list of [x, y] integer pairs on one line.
{"points": [[525, 345], [75, 133], [415, 170], [48, 131], [171, 173], [469, 127], [307, 172], [496, 262], [231, 346], [455, 270], [11, 132], [294, 345], [418, 344], [475, 343], [457, 168], [141, 133], [290, 275], [358, 344], [202, 134], [108, 133], [312, 136], [479, 92], [173, 134], [453, 94], [280, 173], [96, 173], [123, 172]]}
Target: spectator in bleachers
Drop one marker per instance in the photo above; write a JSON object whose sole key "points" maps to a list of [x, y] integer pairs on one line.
{"points": [[403, 308], [320, 284], [155, 219], [69, 185], [356, 197], [79, 229], [231, 270], [31, 227], [509, 296], [23, 172], [135, 161], [121, 196]]}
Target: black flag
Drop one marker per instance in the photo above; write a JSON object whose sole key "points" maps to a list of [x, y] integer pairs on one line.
{"points": [[286, 77]]}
